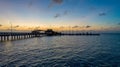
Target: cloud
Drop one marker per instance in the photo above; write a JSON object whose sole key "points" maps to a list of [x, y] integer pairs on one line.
{"points": [[57, 1], [81, 26], [66, 12], [57, 15], [16, 26], [102, 14], [61, 27], [29, 28], [60, 15], [1, 25], [83, 16], [75, 26], [53, 2], [37, 27], [30, 4], [87, 26], [119, 23], [93, 8]]}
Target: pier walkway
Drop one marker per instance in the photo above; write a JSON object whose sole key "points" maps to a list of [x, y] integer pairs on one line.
{"points": [[10, 36]]}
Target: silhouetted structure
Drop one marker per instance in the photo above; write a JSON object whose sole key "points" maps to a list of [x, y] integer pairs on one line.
{"points": [[50, 32], [6, 36]]}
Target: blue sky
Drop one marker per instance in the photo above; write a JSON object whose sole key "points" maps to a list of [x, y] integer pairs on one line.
{"points": [[31, 13]]}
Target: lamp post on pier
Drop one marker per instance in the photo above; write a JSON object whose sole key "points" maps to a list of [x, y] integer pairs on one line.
{"points": [[10, 27], [11, 31]]}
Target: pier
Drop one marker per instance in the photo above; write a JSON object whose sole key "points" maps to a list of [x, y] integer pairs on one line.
{"points": [[10, 36]]}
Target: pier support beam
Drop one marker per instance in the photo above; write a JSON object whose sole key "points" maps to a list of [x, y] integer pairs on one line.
{"points": [[1, 38]]}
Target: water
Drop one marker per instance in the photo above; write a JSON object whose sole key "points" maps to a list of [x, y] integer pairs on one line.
{"points": [[62, 51]]}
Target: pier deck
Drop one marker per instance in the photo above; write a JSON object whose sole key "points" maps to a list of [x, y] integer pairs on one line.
{"points": [[9, 36]]}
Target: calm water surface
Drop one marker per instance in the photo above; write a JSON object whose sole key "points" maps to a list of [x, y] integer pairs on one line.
{"points": [[62, 51]]}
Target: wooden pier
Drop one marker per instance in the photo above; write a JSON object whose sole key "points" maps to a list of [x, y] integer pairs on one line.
{"points": [[7, 36], [10, 36]]}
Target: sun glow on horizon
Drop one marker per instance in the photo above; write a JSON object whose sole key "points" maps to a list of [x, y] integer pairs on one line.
{"points": [[59, 15]]}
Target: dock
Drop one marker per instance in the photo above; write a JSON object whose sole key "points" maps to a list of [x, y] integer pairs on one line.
{"points": [[10, 36]]}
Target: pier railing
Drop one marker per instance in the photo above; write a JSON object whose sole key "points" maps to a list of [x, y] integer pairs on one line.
{"points": [[9, 36]]}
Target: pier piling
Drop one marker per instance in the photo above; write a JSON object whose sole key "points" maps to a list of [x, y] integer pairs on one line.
{"points": [[7, 36]]}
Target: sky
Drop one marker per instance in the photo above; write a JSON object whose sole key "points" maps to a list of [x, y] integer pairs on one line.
{"points": [[82, 15]]}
